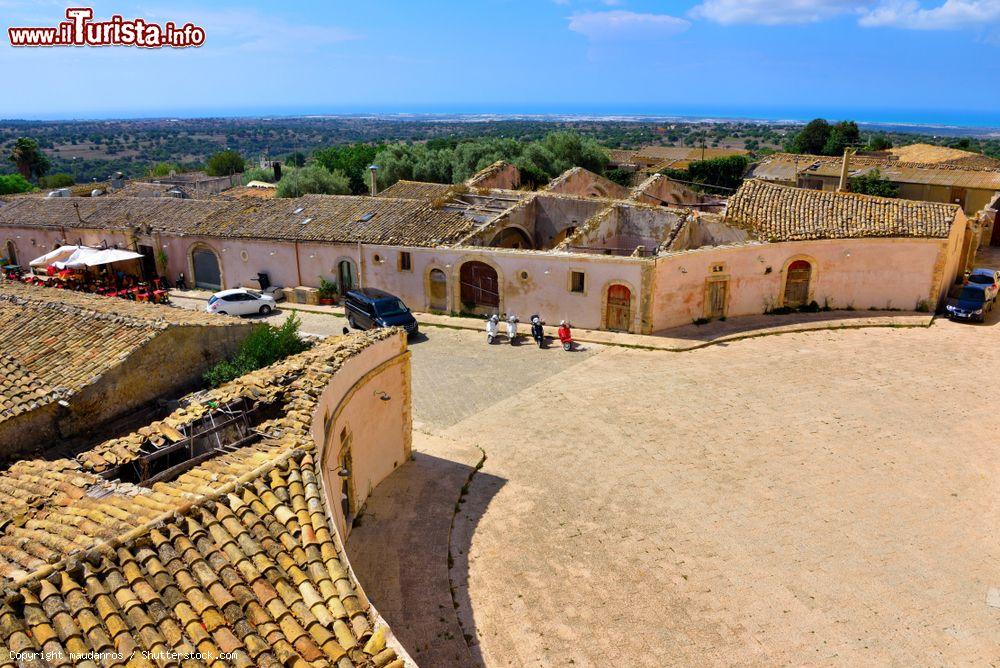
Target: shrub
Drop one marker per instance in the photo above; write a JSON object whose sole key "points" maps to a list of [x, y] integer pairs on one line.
{"points": [[313, 178], [14, 183], [60, 180], [264, 346], [327, 289], [224, 163]]}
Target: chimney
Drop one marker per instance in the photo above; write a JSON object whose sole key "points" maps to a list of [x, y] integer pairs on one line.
{"points": [[277, 171], [373, 180], [845, 169]]}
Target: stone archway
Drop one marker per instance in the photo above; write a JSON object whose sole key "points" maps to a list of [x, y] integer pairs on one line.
{"points": [[512, 237], [206, 268], [619, 303], [436, 288], [347, 275]]}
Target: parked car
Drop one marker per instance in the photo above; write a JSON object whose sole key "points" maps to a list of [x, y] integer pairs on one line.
{"points": [[240, 302], [989, 279], [368, 308], [971, 304]]}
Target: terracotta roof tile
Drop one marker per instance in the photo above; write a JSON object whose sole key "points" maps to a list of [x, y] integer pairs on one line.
{"points": [[783, 213], [331, 218]]}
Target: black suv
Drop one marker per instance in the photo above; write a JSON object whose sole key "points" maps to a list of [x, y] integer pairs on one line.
{"points": [[368, 308]]}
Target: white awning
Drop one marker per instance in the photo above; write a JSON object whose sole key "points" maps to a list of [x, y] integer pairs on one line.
{"points": [[60, 254], [83, 256]]}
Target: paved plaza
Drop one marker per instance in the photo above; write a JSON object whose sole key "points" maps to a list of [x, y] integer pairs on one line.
{"points": [[822, 498]]}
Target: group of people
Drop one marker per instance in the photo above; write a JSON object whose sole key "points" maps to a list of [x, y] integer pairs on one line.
{"points": [[537, 331], [111, 283]]}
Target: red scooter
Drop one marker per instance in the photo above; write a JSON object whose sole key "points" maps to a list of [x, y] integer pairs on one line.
{"points": [[565, 336]]}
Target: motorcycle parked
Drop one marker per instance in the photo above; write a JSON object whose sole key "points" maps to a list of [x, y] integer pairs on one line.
{"points": [[512, 329], [565, 336], [492, 328], [537, 333]]}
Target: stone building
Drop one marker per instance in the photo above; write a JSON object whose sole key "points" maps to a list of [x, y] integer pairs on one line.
{"points": [[584, 249], [72, 361], [971, 181], [217, 530]]}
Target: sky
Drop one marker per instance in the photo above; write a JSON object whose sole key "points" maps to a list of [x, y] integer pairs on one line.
{"points": [[920, 61]]}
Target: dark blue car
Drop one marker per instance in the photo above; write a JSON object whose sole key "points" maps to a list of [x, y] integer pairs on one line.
{"points": [[368, 308], [972, 303]]}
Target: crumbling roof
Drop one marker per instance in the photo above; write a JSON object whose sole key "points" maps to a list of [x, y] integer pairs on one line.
{"points": [[330, 218], [235, 555], [620, 156], [415, 190], [56, 342], [787, 166], [931, 154], [783, 213]]}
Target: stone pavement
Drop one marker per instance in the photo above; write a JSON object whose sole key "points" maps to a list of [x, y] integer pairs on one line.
{"points": [[816, 498]]}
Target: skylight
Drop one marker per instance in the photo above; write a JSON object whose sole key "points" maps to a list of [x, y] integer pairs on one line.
{"points": [[307, 220], [365, 218], [298, 210]]}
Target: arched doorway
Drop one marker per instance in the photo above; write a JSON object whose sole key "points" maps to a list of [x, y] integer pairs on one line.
{"points": [[619, 308], [437, 291], [11, 253], [207, 271], [347, 276], [480, 286], [797, 278]]}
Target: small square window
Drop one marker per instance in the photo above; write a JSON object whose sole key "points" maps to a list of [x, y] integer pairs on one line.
{"points": [[577, 281], [405, 262]]}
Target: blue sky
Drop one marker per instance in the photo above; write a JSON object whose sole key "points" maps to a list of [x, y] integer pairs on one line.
{"points": [[893, 60]]}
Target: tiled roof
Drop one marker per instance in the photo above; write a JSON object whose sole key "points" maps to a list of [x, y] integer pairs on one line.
{"points": [[783, 213], [236, 555], [620, 156], [54, 342], [332, 218], [416, 190], [786, 166]]}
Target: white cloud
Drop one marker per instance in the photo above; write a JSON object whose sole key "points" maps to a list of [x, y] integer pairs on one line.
{"points": [[950, 15], [621, 25], [774, 12]]}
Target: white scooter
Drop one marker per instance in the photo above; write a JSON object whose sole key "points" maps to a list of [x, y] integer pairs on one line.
{"points": [[492, 328], [512, 329]]}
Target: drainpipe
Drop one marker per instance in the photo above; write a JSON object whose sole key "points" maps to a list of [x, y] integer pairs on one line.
{"points": [[845, 169], [361, 267], [298, 268]]}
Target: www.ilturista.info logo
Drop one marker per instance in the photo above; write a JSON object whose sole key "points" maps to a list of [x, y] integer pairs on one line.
{"points": [[81, 30]]}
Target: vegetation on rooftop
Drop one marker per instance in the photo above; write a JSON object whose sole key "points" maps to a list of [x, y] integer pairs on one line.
{"points": [[265, 345]]}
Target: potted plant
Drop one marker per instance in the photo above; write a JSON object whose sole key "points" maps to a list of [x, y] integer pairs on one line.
{"points": [[327, 292]]}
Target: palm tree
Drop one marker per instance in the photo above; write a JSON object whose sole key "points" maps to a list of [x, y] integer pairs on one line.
{"points": [[29, 159]]}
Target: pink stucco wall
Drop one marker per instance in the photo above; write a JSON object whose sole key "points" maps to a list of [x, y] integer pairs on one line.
{"points": [[532, 281], [862, 273], [379, 429]]}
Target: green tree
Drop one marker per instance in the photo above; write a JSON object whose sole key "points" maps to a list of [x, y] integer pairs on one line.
{"points": [[811, 139], [879, 142], [30, 161], [842, 135], [11, 184], [872, 183], [162, 169], [258, 174], [714, 174], [296, 159], [313, 179], [224, 163], [352, 160], [60, 180]]}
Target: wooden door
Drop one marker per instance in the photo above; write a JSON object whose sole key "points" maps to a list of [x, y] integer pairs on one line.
{"points": [[717, 293], [797, 283], [480, 285], [347, 276], [619, 310], [958, 196]]}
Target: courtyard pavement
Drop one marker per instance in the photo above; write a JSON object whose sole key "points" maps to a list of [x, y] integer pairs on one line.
{"points": [[824, 498]]}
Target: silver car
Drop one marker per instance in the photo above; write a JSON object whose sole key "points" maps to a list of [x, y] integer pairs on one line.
{"points": [[240, 301]]}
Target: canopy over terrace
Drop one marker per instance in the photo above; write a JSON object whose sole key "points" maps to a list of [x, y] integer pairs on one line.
{"points": [[83, 256]]}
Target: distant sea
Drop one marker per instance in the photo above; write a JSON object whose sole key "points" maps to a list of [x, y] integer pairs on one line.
{"points": [[940, 121]]}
